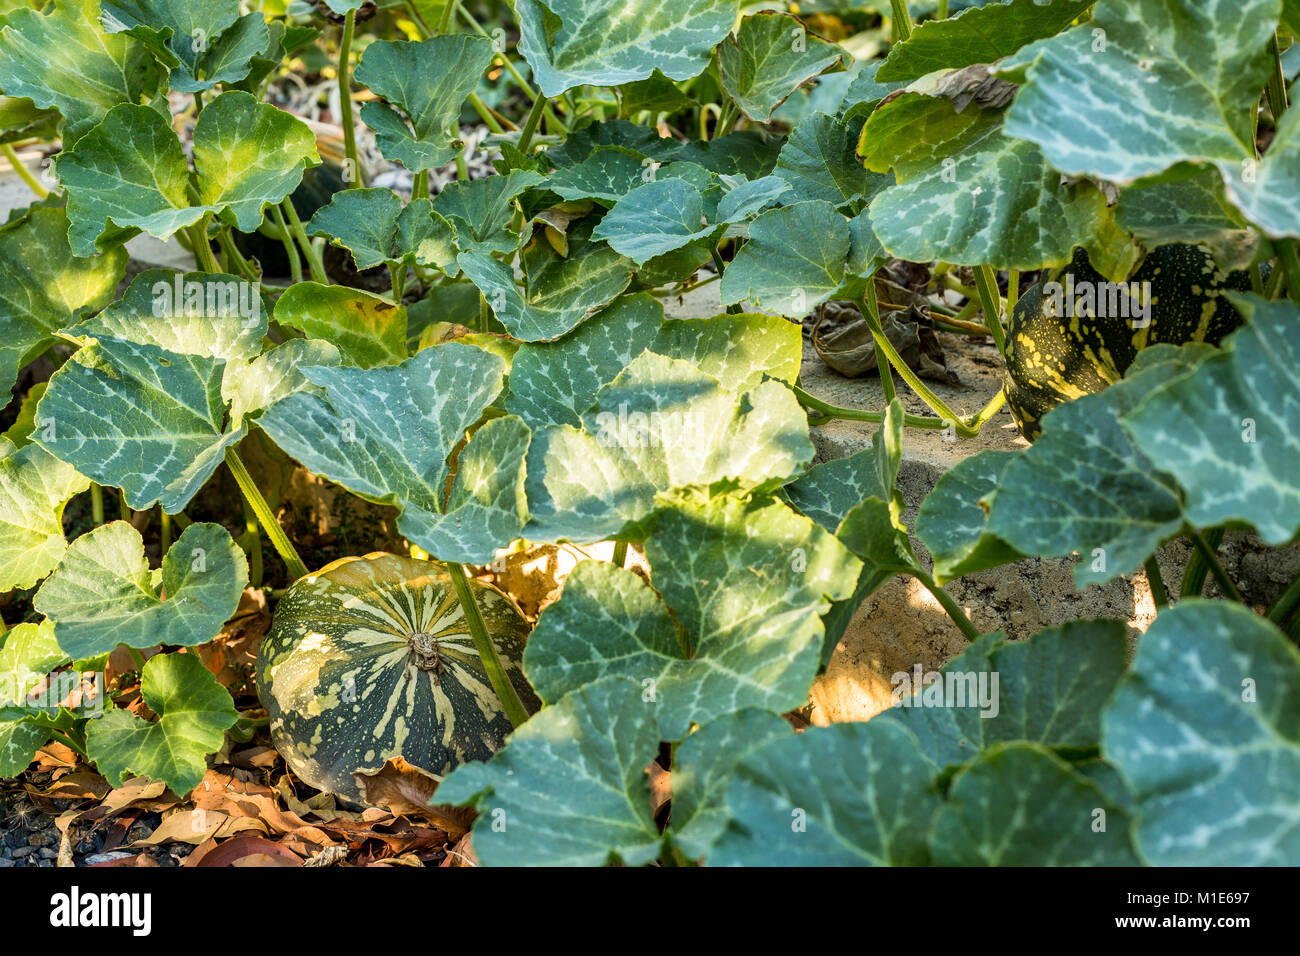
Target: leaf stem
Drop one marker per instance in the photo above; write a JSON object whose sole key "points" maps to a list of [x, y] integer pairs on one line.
{"points": [[1212, 560], [1197, 568], [872, 306], [264, 516], [355, 177], [1286, 604], [967, 429], [202, 249], [829, 411], [23, 173], [314, 262], [902, 21], [1158, 593], [290, 247], [949, 605], [531, 123], [620, 554], [96, 503], [164, 530], [1277, 99], [496, 671], [986, 281]]}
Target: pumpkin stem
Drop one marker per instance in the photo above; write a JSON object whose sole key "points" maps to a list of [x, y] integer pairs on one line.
{"points": [[496, 671], [264, 516]]}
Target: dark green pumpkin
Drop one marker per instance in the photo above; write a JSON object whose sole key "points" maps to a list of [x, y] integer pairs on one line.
{"points": [[371, 658], [1053, 357]]}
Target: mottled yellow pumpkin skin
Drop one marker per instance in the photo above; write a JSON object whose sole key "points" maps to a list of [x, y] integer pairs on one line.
{"points": [[1054, 358], [371, 658]]}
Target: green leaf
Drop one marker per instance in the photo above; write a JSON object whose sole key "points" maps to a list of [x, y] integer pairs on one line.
{"points": [[367, 329], [1110, 503], [1020, 805], [828, 491], [34, 487], [130, 171], [702, 767], [61, 59], [29, 653], [143, 419], [1187, 72], [981, 34], [554, 383], [1194, 209], [969, 193], [103, 593], [19, 741], [769, 57], [654, 219], [191, 313], [643, 141], [740, 351], [194, 713], [44, 287], [953, 524], [1206, 730], [820, 161], [480, 210], [847, 795], [570, 43], [793, 262], [570, 788], [258, 383], [1230, 431], [658, 94], [1049, 690], [560, 292], [249, 154], [205, 42], [747, 582], [387, 434], [429, 81], [363, 221], [752, 197], [661, 425], [607, 175], [1267, 193]]}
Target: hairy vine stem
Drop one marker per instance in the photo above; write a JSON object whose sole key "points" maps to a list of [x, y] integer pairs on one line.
{"points": [[264, 515], [24, 174], [496, 672], [354, 178], [986, 282], [1216, 568]]}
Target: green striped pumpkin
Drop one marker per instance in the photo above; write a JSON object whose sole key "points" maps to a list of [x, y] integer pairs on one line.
{"points": [[371, 657], [1054, 358]]}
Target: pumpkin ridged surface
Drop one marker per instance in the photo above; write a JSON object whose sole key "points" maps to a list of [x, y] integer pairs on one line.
{"points": [[371, 658], [1057, 358]]}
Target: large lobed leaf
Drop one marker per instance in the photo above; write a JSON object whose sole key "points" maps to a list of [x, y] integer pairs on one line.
{"points": [[388, 434], [1206, 731], [129, 172], [103, 593], [663, 424], [194, 712], [569, 43], [570, 788], [1230, 430], [746, 583]]}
